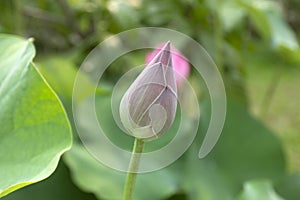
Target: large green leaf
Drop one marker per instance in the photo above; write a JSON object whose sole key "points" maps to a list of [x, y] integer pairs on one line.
{"points": [[34, 128]]}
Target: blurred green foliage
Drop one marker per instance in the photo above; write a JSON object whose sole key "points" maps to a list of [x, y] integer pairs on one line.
{"points": [[253, 42]]}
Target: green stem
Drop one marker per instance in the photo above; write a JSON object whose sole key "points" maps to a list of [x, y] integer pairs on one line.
{"points": [[133, 168]]}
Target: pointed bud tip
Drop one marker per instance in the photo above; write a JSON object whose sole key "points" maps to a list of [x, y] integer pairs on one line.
{"points": [[164, 56], [167, 47]]}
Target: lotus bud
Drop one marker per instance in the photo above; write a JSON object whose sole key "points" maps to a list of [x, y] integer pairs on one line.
{"points": [[148, 107]]}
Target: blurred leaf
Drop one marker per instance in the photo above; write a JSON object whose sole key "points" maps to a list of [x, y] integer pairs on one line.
{"points": [[281, 34], [108, 124], [245, 150], [60, 73], [231, 15], [86, 5], [34, 127], [291, 56], [266, 16], [9, 10], [259, 190], [204, 180], [230, 12], [289, 187], [234, 75], [106, 183], [125, 15], [258, 17], [92, 176], [158, 13]]}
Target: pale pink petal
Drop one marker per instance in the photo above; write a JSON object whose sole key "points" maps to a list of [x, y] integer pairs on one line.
{"points": [[180, 63]]}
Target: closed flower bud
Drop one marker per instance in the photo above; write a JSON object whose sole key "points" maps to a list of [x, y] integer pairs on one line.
{"points": [[148, 107]]}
